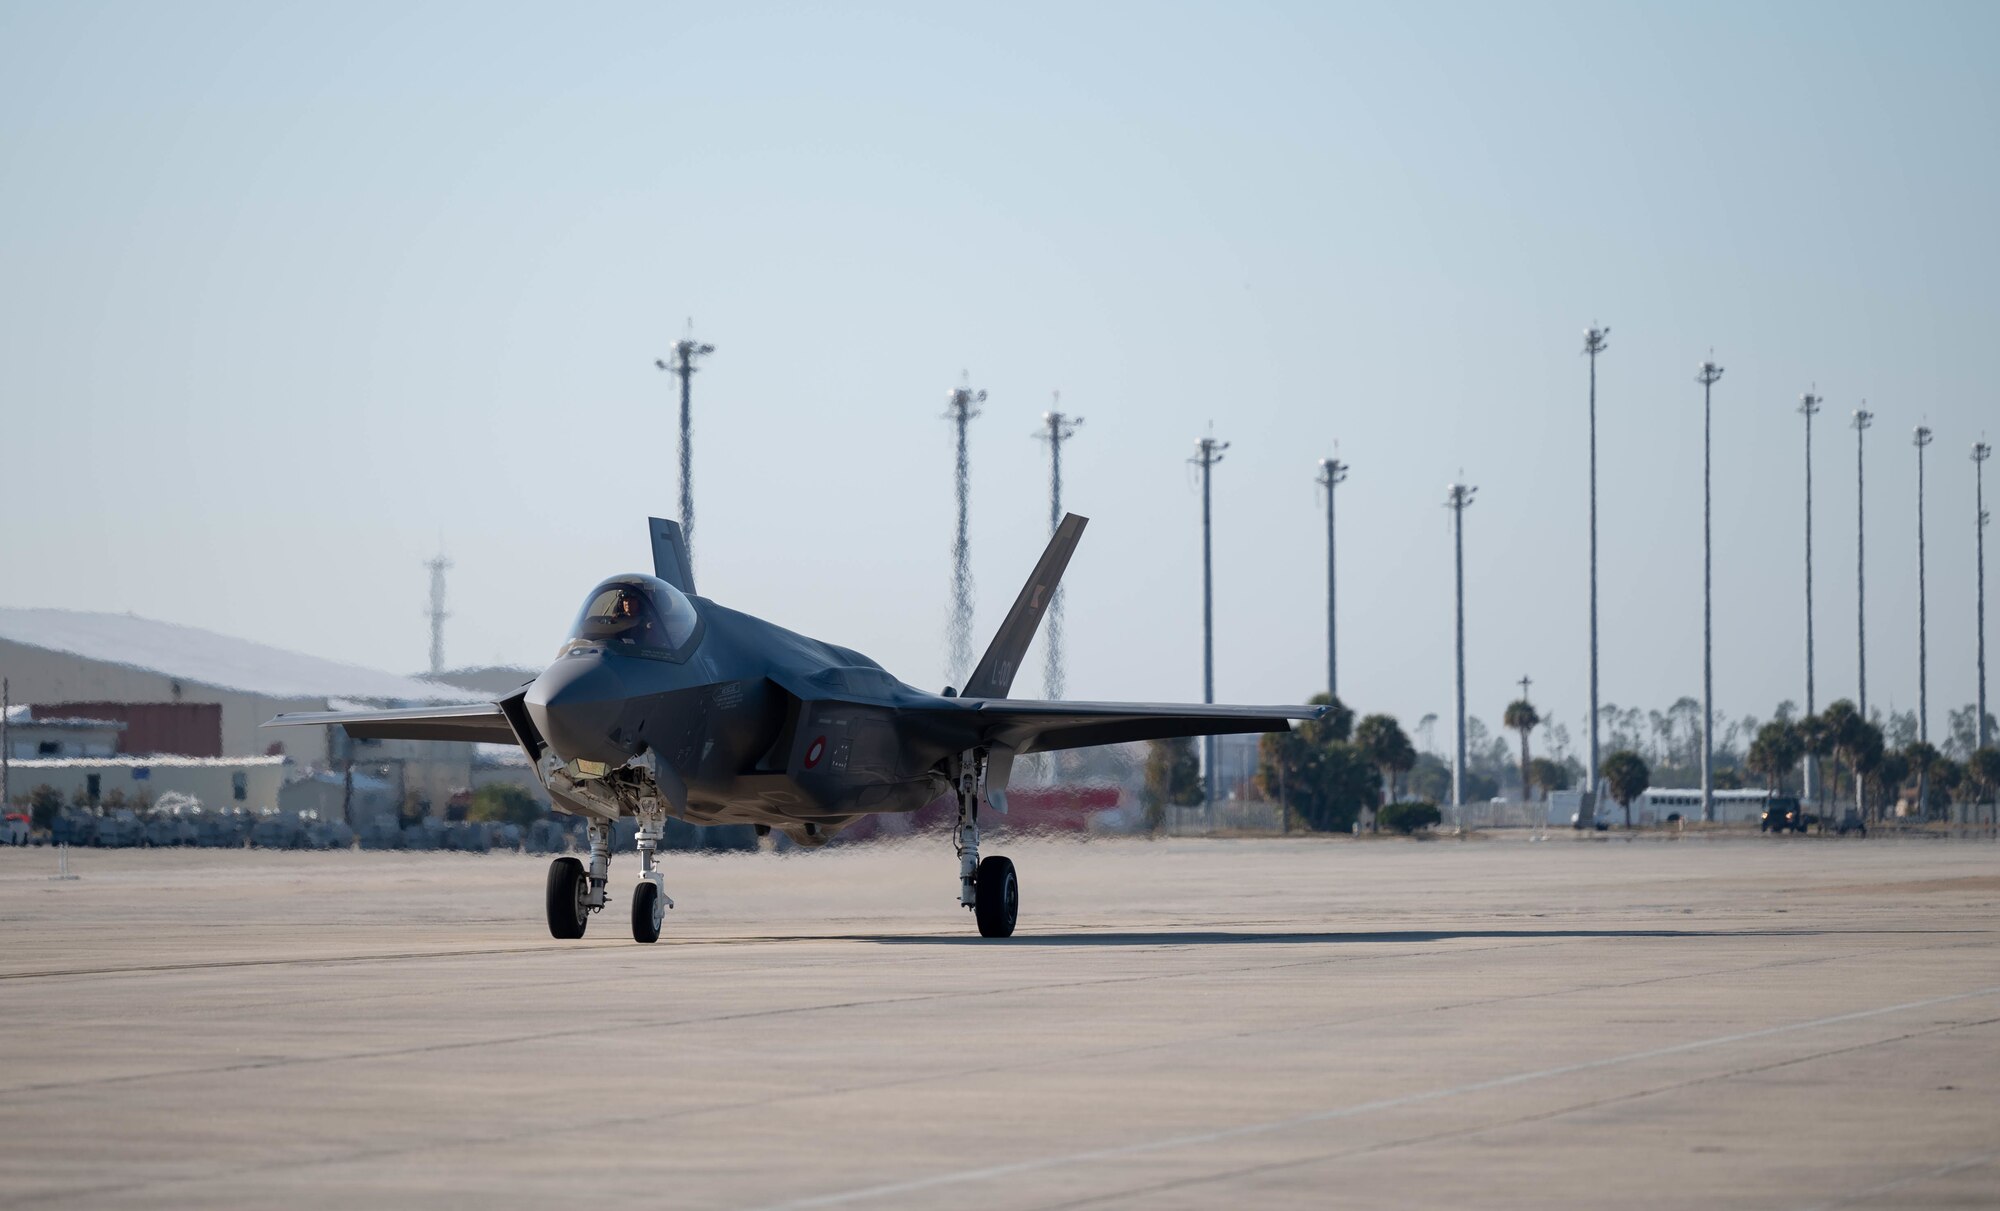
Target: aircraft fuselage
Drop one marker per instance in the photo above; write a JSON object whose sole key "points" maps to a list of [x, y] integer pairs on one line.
{"points": [[737, 723]]}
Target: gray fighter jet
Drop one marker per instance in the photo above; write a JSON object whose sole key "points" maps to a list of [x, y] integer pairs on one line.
{"points": [[662, 703]]}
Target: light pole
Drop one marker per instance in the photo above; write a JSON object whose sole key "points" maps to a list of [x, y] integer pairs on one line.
{"points": [[1707, 377], [681, 365], [1920, 439], [1595, 341], [961, 407], [1980, 453], [1057, 428], [1208, 452], [1809, 405], [1862, 419], [1332, 473], [1458, 498]]}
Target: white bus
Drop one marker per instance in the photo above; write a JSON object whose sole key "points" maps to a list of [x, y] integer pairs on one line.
{"points": [[1658, 803]]}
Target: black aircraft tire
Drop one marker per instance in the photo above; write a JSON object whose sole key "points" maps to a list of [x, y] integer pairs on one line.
{"points": [[645, 913], [567, 916], [997, 898]]}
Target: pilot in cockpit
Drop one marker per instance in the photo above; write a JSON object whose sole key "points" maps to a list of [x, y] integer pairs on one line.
{"points": [[631, 615], [632, 619]]}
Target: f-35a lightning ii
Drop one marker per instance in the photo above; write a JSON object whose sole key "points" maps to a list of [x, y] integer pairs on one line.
{"points": [[662, 703]]}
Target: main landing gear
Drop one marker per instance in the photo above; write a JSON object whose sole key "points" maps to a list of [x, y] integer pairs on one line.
{"points": [[575, 892], [987, 887]]}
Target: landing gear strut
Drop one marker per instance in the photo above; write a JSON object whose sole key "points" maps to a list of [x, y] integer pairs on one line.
{"points": [[987, 887], [649, 900]]}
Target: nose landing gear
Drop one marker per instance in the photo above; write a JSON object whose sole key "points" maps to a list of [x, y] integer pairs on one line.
{"points": [[649, 900]]}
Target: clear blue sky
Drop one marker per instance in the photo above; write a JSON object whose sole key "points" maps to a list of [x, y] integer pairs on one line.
{"points": [[289, 293]]}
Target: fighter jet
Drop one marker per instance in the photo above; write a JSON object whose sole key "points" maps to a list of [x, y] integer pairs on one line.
{"points": [[663, 703]]}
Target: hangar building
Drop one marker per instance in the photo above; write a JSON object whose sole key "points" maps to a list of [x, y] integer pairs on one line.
{"points": [[165, 689]]}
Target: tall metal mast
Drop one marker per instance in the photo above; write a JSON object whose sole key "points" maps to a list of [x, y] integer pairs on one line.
{"points": [[961, 407], [1980, 453], [1208, 452], [438, 566], [1920, 439], [1595, 341], [1707, 377], [1809, 405], [1862, 419], [681, 365], [1458, 498], [1332, 473], [1056, 429]]}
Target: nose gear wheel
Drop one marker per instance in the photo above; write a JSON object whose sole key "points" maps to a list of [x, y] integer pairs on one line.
{"points": [[649, 910]]}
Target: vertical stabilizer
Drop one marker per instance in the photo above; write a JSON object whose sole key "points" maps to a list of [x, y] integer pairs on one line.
{"points": [[995, 674], [671, 561]]}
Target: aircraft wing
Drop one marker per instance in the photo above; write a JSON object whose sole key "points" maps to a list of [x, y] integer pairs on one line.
{"points": [[480, 722], [1033, 727]]}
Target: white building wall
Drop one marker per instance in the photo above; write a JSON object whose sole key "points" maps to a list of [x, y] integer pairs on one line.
{"points": [[25, 740], [211, 780], [40, 675], [432, 769]]}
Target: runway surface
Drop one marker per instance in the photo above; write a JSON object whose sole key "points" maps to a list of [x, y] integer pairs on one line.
{"points": [[1784, 1023]]}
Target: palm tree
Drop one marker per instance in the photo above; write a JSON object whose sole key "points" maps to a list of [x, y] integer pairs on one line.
{"points": [[1628, 777], [1923, 758], [1982, 770], [1381, 740], [1521, 717], [1841, 731], [1869, 759], [1774, 752], [1814, 741], [1948, 780], [1550, 775], [1336, 724]]}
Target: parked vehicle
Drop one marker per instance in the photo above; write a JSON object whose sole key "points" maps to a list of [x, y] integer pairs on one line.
{"points": [[1782, 814]]}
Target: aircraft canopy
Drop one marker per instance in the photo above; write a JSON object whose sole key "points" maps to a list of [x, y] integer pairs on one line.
{"points": [[638, 614]]}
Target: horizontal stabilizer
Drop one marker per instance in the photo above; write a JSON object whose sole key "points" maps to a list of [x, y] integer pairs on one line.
{"points": [[671, 561], [477, 723], [995, 674]]}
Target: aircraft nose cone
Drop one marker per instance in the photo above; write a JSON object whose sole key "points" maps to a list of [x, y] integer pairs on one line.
{"points": [[579, 707]]}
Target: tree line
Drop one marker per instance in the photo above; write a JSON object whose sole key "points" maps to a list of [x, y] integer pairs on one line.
{"points": [[1337, 771]]}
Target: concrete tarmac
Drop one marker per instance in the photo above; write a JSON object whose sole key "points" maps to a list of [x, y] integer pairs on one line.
{"points": [[1782, 1023]]}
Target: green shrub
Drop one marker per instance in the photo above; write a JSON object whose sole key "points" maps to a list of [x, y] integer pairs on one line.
{"points": [[1407, 818], [503, 802]]}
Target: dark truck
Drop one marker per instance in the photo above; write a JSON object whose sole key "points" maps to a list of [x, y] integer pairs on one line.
{"points": [[1782, 814]]}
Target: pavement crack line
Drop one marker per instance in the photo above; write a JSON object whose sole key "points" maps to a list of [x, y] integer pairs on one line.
{"points": [[1543, 1116], [543, 1131], [1248, 1130], [1944, 1170], [274, 1062], [711, 1019]]}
